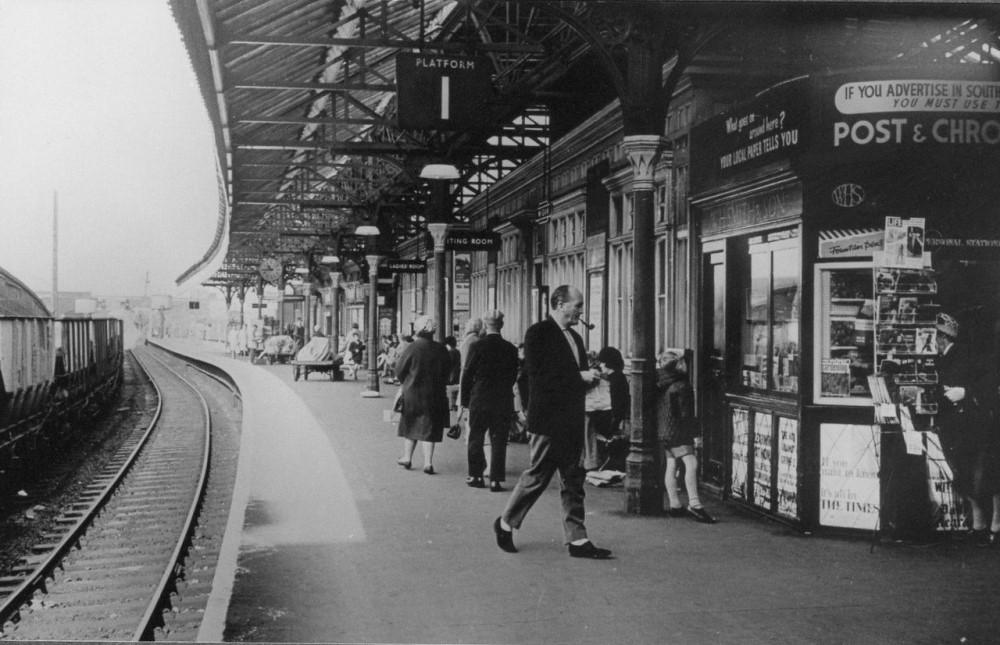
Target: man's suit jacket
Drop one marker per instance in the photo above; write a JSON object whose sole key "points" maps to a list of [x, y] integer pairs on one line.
{"points": [[556, 392], [489, 375]]}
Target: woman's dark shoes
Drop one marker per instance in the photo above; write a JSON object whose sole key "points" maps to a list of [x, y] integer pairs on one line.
{"points": [[588, 550], [495, 487], [428, 470], [700, 515], [402, 462], [505, 539], [475, 482], [677, 512]]}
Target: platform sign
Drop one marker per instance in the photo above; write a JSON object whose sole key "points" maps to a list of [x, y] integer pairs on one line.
{"points": [[442, 92], [404, 266], [472, 241]]}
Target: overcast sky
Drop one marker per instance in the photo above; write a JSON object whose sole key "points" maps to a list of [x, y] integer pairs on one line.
{"points": [[99, 104]]}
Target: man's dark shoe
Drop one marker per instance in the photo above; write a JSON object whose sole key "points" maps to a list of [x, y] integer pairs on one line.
{"points": [[496, 487], [588, 550], [475, 482], [700, 515], [505, 539]]}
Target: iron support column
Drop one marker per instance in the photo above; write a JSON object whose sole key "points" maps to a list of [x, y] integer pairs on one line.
{"points": [[439, 231], [373, 384], [335, 312], [643, 488]]}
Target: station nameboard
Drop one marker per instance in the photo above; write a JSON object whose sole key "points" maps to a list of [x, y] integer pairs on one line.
{"points": [[472, 241], [439, 92]]}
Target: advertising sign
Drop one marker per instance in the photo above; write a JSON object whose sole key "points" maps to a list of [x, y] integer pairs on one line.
{"points": [[848, 477], [765, 129], [740, 451], [443, 92], [462, 272], [878, 111], [763, 433], [788, 467]]}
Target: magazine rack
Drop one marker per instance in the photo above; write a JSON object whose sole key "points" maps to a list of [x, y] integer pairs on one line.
{"points": [[906, 339]]}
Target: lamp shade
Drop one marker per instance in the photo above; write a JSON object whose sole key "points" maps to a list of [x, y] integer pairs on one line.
{"points": [[367, 229], [302, 270], [439, 171], [329, 259]]}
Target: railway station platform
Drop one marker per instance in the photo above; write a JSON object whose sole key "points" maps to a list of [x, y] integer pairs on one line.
{"points": [[331, 541]]}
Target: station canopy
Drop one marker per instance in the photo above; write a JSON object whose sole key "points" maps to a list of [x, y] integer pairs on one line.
{"points": [[302, 95]]}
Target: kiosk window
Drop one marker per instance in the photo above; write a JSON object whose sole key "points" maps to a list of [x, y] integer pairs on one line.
{"points": [[771, 319], [844, 320]]}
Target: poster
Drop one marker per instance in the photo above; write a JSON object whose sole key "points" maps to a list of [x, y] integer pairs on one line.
{"points": [[849, 494], [948, 507], [788, 467], [462, 272], [741, 438], [763, 433], [835, 377]]}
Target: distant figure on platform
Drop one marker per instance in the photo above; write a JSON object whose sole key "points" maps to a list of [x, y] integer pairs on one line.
{"points": [[355, 348], [555, 360], [257, 344], [423, 370], [299, 334], [487, 384], [241, 340], [677, 429], [231, 342]]}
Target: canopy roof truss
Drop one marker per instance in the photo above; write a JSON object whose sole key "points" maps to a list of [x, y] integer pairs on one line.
{"points": [[302, 92]]}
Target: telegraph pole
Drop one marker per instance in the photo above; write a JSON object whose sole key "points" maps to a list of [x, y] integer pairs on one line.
{"points": [[55, 253]]}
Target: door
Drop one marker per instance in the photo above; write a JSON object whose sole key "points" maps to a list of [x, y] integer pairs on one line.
{"points": [[712, 399]]}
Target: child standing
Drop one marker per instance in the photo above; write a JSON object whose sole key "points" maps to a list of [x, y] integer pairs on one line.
{"points": [[676, 422]]}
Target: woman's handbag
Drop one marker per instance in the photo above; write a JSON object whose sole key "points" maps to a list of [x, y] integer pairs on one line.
{"points": [[455, 431]]}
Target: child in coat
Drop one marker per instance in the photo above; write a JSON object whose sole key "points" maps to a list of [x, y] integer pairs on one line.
{"points": [[677, 429]]}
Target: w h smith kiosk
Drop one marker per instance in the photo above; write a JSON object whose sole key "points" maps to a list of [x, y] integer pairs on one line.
{"points": [[804, 195]]}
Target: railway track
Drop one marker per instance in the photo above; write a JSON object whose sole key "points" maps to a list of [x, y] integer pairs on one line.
{"points": [[137, 547]]}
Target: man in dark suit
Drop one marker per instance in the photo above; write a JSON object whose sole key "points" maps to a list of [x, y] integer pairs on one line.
{"points": [[488, 393], [555, 361]]}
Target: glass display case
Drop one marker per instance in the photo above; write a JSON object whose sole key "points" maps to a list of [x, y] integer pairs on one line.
{"points": [[845, 330], [771, 316]]}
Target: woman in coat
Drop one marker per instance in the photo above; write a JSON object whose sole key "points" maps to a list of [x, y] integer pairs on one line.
{"points": [[423, 369]]}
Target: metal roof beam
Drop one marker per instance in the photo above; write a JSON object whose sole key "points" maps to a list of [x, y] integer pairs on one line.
{"points": [[312, 86], [337, 147], [374, 43], [301, 120]]}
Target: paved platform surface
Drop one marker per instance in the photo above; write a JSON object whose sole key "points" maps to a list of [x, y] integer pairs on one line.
{"points": [[339, 544]]}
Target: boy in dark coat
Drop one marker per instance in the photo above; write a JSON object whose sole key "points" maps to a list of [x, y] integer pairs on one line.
{"points": [[677, 429]]}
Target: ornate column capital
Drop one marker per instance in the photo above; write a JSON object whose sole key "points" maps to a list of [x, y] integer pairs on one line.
{"points": [[438, 231], [643, 152], [373, 262], [335, 278]]}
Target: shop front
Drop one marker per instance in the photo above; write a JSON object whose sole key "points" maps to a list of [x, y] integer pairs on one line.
{"points": [[838, 216]]}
